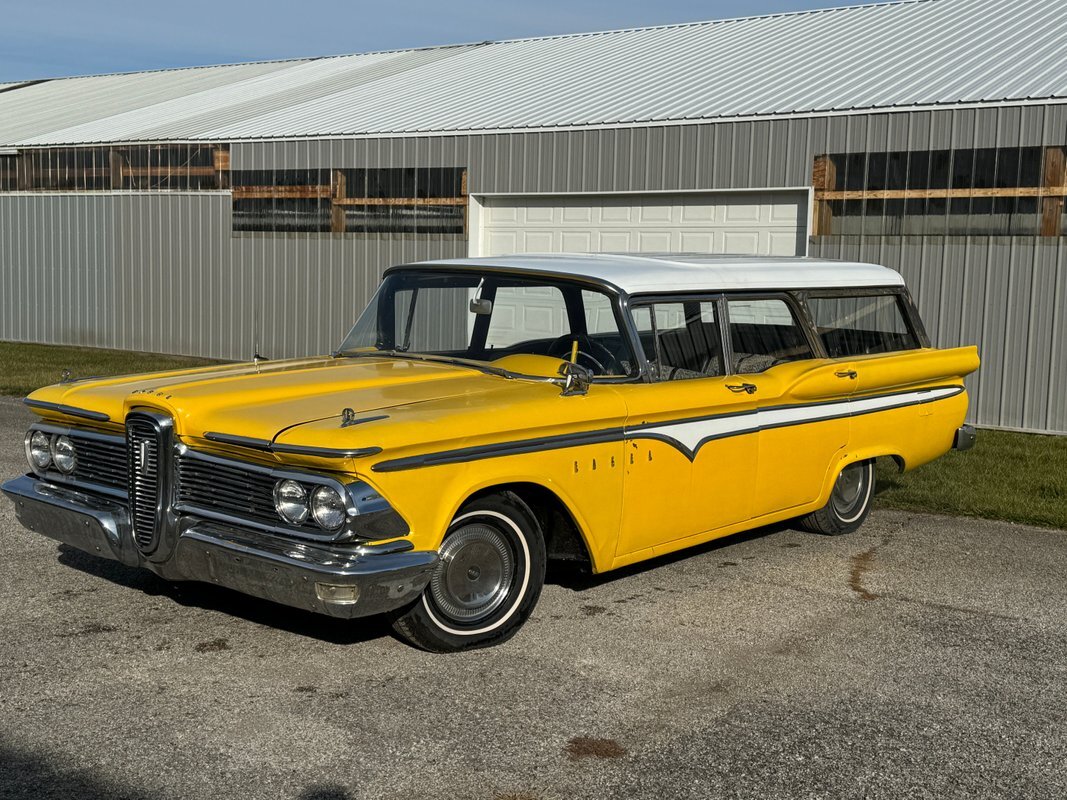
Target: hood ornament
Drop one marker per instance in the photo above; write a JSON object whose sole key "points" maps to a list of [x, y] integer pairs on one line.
{"points": [[66, 377], [348, 417]]}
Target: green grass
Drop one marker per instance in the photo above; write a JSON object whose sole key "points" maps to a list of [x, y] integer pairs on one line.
{"points": [[1017, 477], [25, 367]]}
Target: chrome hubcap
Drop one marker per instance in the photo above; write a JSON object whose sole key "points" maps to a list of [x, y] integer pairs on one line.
{"points": [[850, 489], [475, 573]]}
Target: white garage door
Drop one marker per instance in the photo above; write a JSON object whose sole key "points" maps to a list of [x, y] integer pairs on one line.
{"points": [[760, 223]]}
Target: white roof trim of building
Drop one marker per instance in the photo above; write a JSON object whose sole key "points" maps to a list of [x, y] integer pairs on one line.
{"points": [[643, 274]]}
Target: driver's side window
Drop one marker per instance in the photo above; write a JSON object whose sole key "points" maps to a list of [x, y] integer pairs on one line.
{"points": [[681, 339]]}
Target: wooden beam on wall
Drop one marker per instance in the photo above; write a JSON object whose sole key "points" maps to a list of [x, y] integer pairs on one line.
{"points": [[337, 209], [1054, 183], [402, 201], [117, 164], [320, 191], [824, 179], [926, 194]]}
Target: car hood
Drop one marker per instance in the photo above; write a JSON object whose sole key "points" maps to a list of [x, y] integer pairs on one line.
{"points": [[264, 400]]}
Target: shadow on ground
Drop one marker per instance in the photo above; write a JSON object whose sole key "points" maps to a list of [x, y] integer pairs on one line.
{"points": [[26, 774], [577, 577], [216, 598], [569, 575]]}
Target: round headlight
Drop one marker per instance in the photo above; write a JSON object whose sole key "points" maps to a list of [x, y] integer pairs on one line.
{"points": [[291, 501], [63, 454], [328, 508], [38, 450]]}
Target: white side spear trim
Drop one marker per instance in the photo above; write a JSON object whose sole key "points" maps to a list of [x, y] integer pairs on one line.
{"points": [[689, 436]]}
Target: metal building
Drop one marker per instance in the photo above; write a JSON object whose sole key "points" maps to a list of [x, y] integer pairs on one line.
{"points": [[214, 210]]}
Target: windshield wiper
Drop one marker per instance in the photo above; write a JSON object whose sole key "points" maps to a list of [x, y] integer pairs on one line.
{"points": [[480, 366]]}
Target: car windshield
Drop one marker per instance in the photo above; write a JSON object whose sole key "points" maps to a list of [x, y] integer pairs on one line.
{"points": [[485, 316]]}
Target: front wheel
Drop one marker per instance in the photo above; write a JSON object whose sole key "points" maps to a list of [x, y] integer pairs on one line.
{"points": [[486, 583], [849, 504]]}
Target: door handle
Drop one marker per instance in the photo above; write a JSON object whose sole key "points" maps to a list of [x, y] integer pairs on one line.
{"points": [[851, 374], [749, 388]]}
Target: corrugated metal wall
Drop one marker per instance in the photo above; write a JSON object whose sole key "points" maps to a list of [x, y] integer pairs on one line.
{"points": [[164, 272], [139, 271], [1008, 295]]}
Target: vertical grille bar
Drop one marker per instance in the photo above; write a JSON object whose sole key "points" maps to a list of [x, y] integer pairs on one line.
{"points": [[144, 441]]}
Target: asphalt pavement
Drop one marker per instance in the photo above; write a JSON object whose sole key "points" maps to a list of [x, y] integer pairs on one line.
{"points": [[920, 657]]}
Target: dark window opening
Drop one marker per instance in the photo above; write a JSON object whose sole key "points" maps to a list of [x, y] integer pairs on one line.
{"points": [[163, 168], [984, 191], [375, 201]]}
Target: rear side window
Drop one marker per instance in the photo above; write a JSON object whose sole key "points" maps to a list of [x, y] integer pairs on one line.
{"points": [[764, 332], [861, 325]]}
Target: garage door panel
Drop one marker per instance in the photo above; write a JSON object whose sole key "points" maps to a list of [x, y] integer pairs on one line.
{"points": [[742, 213], [613, 212], [505, 242], [783, 243], [700, 213], [540, 214], [654, 213], [744, 242], [577, 242], [760, 223], [698, 242], [654, 242], [787, 214], [577, 214], [615, 242]]}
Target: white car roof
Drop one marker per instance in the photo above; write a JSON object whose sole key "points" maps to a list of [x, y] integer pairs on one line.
{"points": [[679, 272]]}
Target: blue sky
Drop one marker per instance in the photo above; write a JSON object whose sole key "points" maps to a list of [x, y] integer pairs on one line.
{"points": [[49, 38]]}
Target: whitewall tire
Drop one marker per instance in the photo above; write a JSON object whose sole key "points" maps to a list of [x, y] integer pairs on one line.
{"points": [[487, 581]]}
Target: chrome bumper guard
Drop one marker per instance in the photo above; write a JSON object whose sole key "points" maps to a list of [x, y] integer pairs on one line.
{"points": [[966, 436], [339, 580]]}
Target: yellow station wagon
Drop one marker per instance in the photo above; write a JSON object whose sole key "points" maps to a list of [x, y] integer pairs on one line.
{"points": [[485, 415]]}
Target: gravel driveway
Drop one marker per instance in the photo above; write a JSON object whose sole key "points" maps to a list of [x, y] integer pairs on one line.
{"points": [[921, 657]]}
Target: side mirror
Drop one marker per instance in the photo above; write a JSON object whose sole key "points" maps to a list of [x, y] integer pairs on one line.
{"points": [[576, 379]]}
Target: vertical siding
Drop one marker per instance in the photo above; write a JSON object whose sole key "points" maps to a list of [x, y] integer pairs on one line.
{"points": [[145, 272], [164, 271], [1008, 295]]}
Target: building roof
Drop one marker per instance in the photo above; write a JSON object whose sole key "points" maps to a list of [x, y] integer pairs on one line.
{"points": [[679, 272], [893, 55]]}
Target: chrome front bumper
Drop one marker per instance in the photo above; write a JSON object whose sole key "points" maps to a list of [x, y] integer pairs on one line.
{"points": [[339, 580]]}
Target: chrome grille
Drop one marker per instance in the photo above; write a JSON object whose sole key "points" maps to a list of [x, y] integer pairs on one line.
{"points": [[101, 461], [143, 442], [217, 486]]}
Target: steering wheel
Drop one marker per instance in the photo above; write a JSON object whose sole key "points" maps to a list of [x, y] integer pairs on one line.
{"points": [[561, 348]]}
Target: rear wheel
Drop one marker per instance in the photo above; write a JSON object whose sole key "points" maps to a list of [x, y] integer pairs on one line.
{"points": [[849, 503], [488, 579]]}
